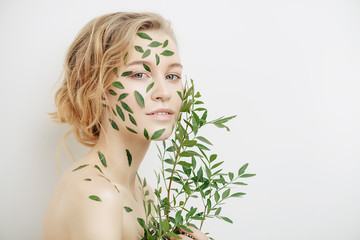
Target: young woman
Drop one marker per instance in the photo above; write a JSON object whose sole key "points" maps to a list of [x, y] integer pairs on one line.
{"points": [[120, 91]]}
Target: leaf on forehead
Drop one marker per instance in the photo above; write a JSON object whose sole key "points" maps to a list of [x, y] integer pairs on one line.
{"points": [[102, 159], [139, 98], [155, 44], [120, 112], [132, 119], [146, 53], [147, 68], [157, 59], [150, 86], [113, 124], [112, 92], [167, 53], [126, 107], [124, 74], [166, 43], [118, 85], [116, 72], [139, 49], [95, 198], [157, 134], [146, 134], [122, 96], [144, 36], [131, 130], [129, 157]]}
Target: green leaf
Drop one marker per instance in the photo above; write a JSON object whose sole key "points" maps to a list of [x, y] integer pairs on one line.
{"points": [[150, 86], [112, 92], [116, 72], [141, 222], [113, 124], [231, 176], [166, 43], [189, 154], [98, 168], [218, 211], [189, 143], [157, 59], [239, 183], [124, 74], [155, 44], [87, 179], [242, 169], [180, 94], [174, 235], [146, 134], [120, 112], [144, 36], [216, 165], [185, 228], [132, 119], [95, 198], [139, 98], [139, 49], [247, 175], [157, 134], [146, 53], [118, 85], [217, 196], [165, 225], [80, 167], [122, 96], [102, 159], [129, 157], [147, 68], [227, 219], [126, 107], [185, 164], [213, 157], [127, 209], [238, 194], [167, 53], [226, 193], [131, 130]]}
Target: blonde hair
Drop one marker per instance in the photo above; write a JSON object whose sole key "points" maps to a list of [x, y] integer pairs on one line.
{"points": [[97, 51]]}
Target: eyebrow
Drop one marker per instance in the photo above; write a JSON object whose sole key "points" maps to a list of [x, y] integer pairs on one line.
{"points": [[149, 63]]}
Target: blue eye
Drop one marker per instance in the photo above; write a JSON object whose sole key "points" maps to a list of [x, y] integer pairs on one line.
{"points": [[172, 77], [139, 75]]}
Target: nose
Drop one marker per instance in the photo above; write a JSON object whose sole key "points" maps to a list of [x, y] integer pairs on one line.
{"points": [[161, 91]]}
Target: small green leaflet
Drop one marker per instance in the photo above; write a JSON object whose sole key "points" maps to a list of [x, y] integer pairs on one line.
{"points": [[129, 157], [122, 96], [146, 134], [139, 49], [146, 53], [166, 43], [98, 168], [154, 44], [132, 119], [242, 169], [112, 92], [150, 86], [157, 134], [146, 67], [167, 53], [157, 59], [127, 209], [139, 98], [95, 198], [113, 124], [174, 235], [124, 74], [144, 36], [131, 130], [87, 179], [141, 222], [102, 159], [227, 219], [126, 107], [120, 112], [80, 167], [118, 85], [116, 72]]}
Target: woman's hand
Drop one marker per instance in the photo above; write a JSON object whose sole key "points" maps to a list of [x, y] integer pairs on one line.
{"points": [[196, 234]]}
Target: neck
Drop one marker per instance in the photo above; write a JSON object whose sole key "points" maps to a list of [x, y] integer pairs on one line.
{"points": [[117, 148]]}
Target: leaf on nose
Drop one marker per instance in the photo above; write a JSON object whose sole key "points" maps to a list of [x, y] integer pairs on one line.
{"points": [[132, 119], [113, 124], [126, 107], [131, 130], [155, 44], [157, 134], [122, 96], [166, 43], [139, 98], [146, 134], [120, 112], [139, 49], [167, 53], [150, 86], [118, 85], [146, 53], [124, 74], [144, 36], [146, 67], [157, 59], [129, 157]]}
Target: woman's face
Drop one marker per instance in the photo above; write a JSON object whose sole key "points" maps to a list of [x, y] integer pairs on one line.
{"points": [[145, 95]]}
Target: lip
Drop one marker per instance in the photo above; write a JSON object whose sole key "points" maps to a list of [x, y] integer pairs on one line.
{"points": [[163, 114]]}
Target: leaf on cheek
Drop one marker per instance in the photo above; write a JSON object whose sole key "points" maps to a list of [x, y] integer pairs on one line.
{"points": [[132, 119], [120, 112], [139, 49], [150, 86], [166, 43], [131, 130], [155, 44], [146, 134], [139, 98], [157, 134], [118, 85], [122, 96], [126, 107]]}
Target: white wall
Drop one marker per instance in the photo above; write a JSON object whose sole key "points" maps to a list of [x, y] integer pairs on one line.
{"points": [[289, 69]]}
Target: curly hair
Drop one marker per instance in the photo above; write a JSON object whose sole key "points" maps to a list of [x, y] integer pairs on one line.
{"points": [[97, 51]]}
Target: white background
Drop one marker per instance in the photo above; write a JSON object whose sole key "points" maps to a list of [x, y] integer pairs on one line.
{"points": [[290, 70]]}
